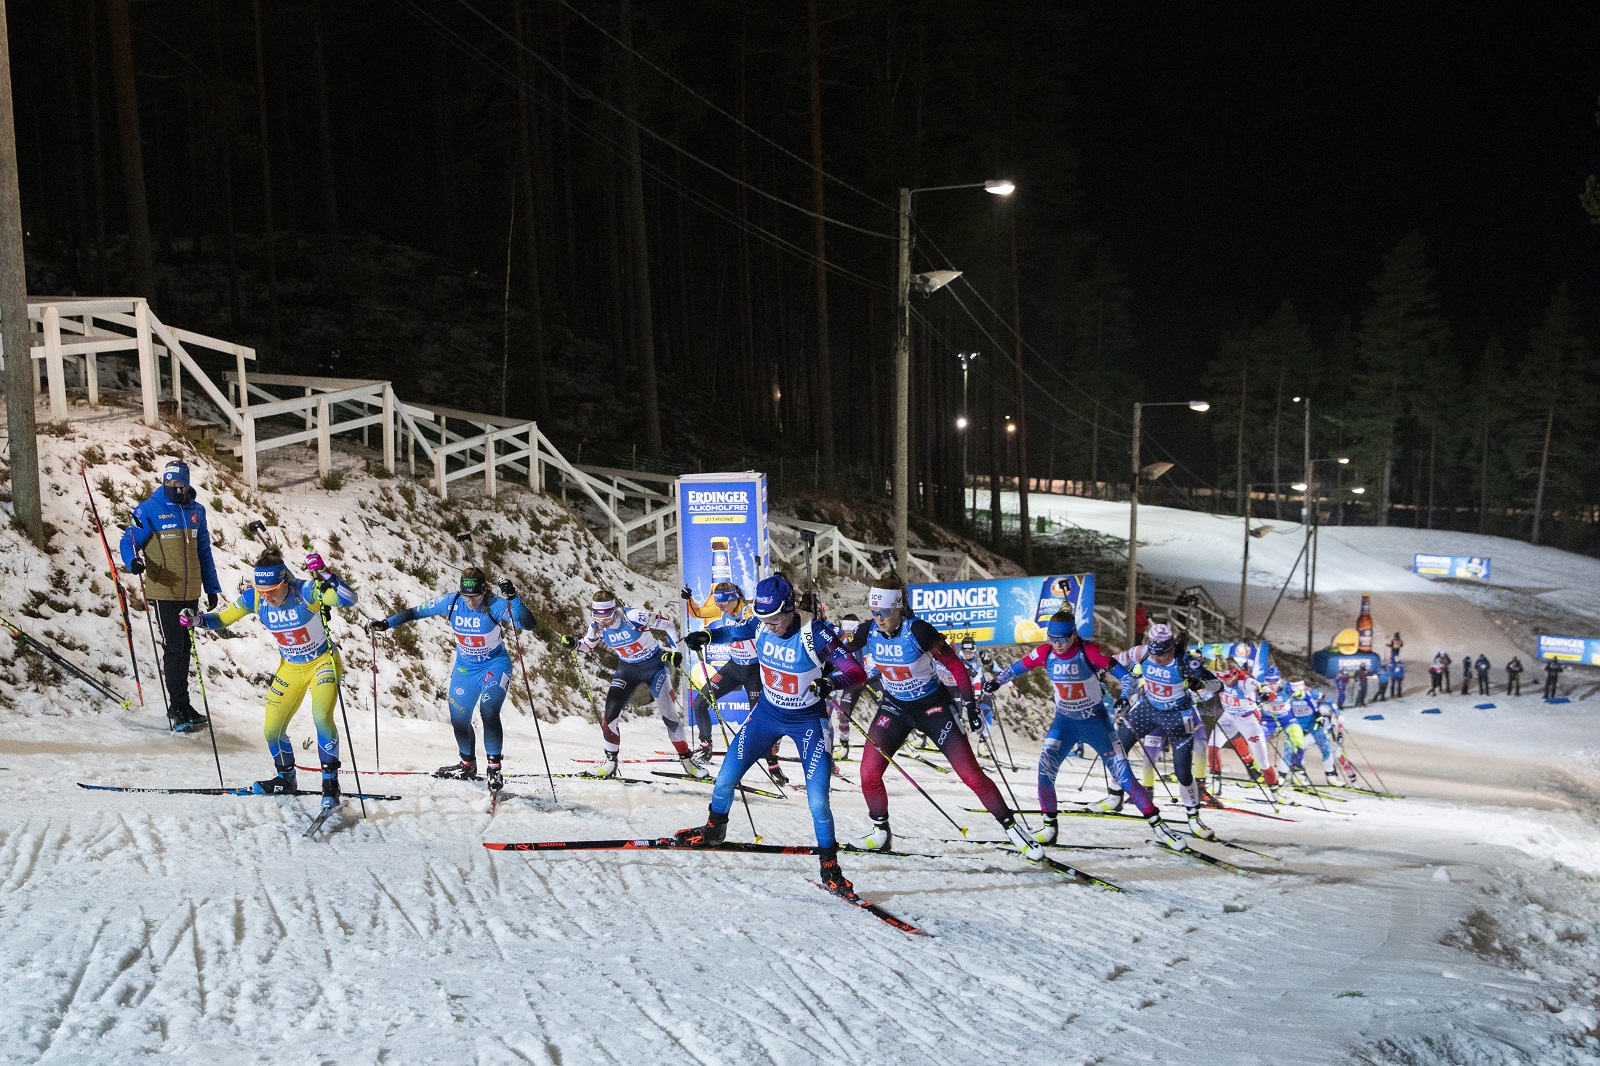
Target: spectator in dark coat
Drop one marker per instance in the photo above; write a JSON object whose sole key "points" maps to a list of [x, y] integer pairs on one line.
{"points": [[1481, 665], [1552, 674], [1514, 677], [1397, 676]]}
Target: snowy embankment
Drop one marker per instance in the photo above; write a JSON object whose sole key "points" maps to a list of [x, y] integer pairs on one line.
{"points": [[1454, 928]]}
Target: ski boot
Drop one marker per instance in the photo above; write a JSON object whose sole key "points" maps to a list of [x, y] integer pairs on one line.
{"points": [[1199, 829], [702, 754], [843, 754], [465, 770], [282, 785], [179, 722], [1046, 833], [693, 769], [1206, 798], [715, 831], [497, 780], [833, 878], [195, 719], [880, 839], [607, 767], [775, 772], [1026, 845], [1164, 837], [330, 785], [1111, 804]]}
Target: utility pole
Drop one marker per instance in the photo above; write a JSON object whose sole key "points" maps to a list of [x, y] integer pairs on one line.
{"points": [[16, 335], [966, 432], [128, 137], [1544, 464], [902, 386], [1133, 530], [1022, 403]]}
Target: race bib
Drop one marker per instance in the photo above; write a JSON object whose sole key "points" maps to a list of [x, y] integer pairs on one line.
{"points": [[472, 641], [1160, 689], [293, 638], [1069, 691], [631, 651], [895, 673], [779, 681]]}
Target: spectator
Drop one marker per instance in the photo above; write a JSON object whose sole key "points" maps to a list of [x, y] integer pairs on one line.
{"points": [[1395, 644], [1466, 674], [1446, 666], [1361, 685], [1141, 622], [170, 543], [1397, 674], [1552, 674], [1383, 682], [1436, 674], [1340, 683], [1481, 665], [1514, 677]]}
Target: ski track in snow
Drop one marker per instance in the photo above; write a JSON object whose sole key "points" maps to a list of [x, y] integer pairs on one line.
{"points": [[207, 930]]}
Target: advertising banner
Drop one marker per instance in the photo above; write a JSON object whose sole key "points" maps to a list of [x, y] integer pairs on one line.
{"points": [[1220, 656], [1008, 610], [722, 536], [1466, 567], [1570, 649]]}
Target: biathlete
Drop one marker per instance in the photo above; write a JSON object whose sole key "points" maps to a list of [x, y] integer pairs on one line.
{"points": [[1277, 717], [906, 652], [294, 613], [481, 672], [801, 663], [628, 631], [735, 663], [1074, 667], [1164, 706], [1239, 722]]}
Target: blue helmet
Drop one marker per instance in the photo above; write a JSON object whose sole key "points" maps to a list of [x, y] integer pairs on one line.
{"points": [[1271, 676], [774, 596], [1061, 626]]}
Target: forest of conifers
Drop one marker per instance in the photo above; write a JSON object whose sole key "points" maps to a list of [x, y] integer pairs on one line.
{"points": [[668, 229]]}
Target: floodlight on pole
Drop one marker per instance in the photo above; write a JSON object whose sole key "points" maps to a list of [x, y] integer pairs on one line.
{"points": [[1133, 508], [1343, 461], [925, 283], [1358, 490], [961, 422], [1299, 486]]}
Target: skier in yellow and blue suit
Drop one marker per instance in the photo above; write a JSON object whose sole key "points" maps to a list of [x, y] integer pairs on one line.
{"points": [[293, 612]]}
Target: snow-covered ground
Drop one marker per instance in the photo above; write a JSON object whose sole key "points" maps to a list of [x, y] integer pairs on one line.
{"points": [[1456, 925]]}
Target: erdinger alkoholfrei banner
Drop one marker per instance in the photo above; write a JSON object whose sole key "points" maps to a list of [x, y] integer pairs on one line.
{"points": [[1466, 567], [1010, 610], [722, 536], [1216, 655], [1570, 649]]}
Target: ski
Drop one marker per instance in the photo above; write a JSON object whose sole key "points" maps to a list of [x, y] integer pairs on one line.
{"points": [[319, 821], [873, 909], [673, 758], [1367, 791], [245, 791], [1065, 847], [1047, 863], [1069, 813], [60, 660], [1209, 860], [649, 844], [925, 762], [1241, 847], [752, 790], [421, 773], [1313, 791], [1240, 810]]}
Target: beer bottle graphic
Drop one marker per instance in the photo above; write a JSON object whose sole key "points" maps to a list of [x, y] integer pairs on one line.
{"points": [[721, 568], [1364, 624]]}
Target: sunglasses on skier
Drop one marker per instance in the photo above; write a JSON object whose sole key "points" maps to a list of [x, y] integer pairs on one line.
{"points": [[726, 597]]}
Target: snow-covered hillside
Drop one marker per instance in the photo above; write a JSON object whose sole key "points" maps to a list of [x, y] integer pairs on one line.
{"points": [[1453, 926]]}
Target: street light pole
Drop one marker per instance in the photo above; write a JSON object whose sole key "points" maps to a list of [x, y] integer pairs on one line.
{"points": [[902, 386], [966, 426], [1244, 569], [902, 354], [1133, 531]]}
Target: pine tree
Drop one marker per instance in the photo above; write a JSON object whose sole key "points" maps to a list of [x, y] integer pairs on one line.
{"points": [[1558, 378], [1399, 362]]}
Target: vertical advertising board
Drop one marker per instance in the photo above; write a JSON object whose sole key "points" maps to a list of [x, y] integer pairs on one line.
{"points": [[722, 536], [1011, 610]]}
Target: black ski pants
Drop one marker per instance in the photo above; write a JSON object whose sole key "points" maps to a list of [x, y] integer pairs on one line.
{"points": [[175, 654], [1513, 684]]}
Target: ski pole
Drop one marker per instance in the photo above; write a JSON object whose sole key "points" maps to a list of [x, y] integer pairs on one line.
{"points": [[886, 758], [338, 681], [1368, 761], [999, 721], [200, 675], [116, 583], [1090, 770], [577, 668], [159, 649], [1006, 781], [722, 722], [377, 754], [728, 745], [64, 663], [516, 642]]}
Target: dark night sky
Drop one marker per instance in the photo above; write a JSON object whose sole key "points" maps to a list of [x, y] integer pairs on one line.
{"points": [[1234, 156]]}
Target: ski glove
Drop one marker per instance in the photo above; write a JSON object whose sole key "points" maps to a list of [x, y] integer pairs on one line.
{"points": [[673, 659], [697, 640], [686, 593], [315, 564], [991, 686], [378, 625], [212, 599], [188, 619], [137, 566], [566, 641], [507, 589], [822, 688], [974, 717]]}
